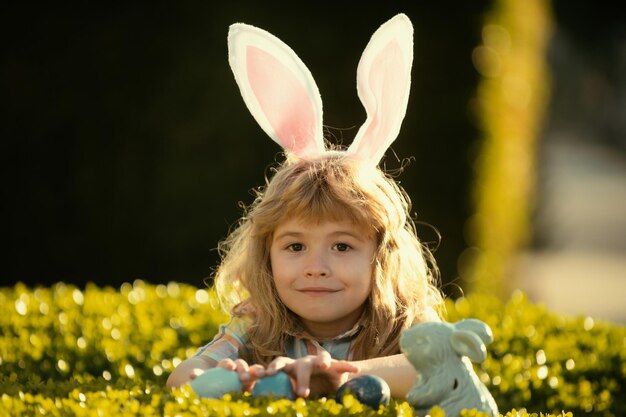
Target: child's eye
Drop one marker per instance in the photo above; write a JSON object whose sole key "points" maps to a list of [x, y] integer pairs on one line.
{"points": [[342, 247], [295, 247]]}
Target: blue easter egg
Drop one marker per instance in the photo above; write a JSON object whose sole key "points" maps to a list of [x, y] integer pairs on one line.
{"points": [[278, 385], [368, 389], [215, 382]]}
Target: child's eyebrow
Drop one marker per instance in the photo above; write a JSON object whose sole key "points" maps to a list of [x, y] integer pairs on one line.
{"points": [[337, 233], [355, 235], [288, 233]]}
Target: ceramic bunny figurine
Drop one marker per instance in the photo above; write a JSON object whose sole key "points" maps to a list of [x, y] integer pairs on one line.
{"points": [[441, 353]]}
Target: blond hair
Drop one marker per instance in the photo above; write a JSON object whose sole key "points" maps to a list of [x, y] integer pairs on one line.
{"points": [[333, 187]]}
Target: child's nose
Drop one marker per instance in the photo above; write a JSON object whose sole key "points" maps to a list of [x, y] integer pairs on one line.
{"points": [[316, 266]]}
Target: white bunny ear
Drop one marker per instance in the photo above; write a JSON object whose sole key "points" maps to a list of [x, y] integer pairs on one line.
{"points": [[383, 84], [278, 89]]}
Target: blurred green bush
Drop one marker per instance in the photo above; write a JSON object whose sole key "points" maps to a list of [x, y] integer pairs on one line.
{"points": [[510, 105], [102, 351]]}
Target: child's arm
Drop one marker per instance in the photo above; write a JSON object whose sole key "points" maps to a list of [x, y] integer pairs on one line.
{"points": [[396, 370], [184, 371], [188, 370], [224, 351], [321, 375]]}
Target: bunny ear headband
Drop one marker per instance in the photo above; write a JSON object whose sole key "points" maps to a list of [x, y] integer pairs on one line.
{"points": [[281, 93]]}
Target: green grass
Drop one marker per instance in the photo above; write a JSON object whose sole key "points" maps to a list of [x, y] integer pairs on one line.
{"points": [[107, 351]]}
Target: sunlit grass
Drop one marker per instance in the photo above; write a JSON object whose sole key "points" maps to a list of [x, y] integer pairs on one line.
{"points": [[108, 351]]}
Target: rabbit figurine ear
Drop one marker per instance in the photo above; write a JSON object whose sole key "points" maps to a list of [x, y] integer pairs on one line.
{"points": [[479, 327], [383, 85], [468, 344], [278, 89]]}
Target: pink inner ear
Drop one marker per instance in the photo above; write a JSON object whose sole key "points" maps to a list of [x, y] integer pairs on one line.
{"points": [[388, 87], [283, 99]]}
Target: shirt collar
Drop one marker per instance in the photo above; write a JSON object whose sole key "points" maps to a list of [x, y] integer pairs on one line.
{"points": [[303, 334]]}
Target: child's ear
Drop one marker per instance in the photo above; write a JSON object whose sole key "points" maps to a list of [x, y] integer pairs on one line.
{"points": [[277, 88], [383, 84]]}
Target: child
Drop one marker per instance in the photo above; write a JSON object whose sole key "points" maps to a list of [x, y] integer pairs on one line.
{"points": [[324, 271]]}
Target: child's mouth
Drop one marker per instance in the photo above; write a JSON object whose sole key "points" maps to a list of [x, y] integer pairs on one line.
{"points": [[317, 291]]}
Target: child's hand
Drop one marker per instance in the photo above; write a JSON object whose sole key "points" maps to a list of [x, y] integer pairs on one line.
{"points": [[248, 374], [314, 375]]}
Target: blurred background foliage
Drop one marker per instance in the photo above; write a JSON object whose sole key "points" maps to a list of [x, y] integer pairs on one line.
{"points": [[510, 102], [126, 147]]}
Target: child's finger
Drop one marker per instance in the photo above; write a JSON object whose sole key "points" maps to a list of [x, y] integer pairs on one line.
{"points": [[323, 360], [195, 372], [242, 369], [278, 364], [303, 371], [345, 366], [256, 371], [227, 364]]}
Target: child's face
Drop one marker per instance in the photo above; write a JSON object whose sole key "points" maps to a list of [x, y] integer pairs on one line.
{"points": [[323, 272]]}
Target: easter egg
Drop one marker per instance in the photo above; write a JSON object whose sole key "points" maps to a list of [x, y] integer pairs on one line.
{"points": [[278, 385], [215, 382], [368, 389]]}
